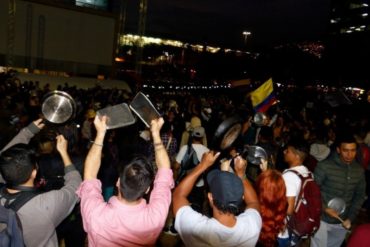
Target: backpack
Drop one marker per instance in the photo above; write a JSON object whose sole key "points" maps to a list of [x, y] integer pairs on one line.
{"points": [[11, 234], [305, 220], [188, 162]]}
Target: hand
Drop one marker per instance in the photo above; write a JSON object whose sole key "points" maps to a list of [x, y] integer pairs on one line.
{"points": [[62, 144], [225, 165], [156, 125], [100, 124], [39, 123], [346, 224], [209, 158], [240, 166], [263, 165], [233, 153], [331, 212]]}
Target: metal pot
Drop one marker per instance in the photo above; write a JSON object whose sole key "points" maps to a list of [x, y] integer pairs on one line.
{"points": [[259, 119], [254, 155], [58, 107]]}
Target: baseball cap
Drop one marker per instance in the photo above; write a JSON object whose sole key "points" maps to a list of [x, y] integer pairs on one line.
{"points": [[198, 131], [226, 188]]}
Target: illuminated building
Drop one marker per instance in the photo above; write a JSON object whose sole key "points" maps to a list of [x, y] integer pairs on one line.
{"points": [[349, 16]]}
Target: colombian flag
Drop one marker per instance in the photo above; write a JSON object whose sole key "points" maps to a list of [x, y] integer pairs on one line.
{"points": [[263, 97]]}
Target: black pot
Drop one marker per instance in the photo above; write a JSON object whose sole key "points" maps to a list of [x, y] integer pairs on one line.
{"points": [[227, 132]]}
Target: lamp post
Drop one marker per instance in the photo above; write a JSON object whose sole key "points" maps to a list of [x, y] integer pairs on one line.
{"points": [[245, 35]]}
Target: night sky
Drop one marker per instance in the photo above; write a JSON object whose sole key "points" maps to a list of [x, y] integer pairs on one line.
{"points": [[221, 22]]}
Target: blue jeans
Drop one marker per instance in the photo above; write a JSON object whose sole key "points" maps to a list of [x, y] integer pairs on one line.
{"points": [[292, 240], [283, 242]]}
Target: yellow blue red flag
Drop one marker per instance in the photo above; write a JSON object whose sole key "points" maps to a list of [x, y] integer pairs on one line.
{"points": [[263, 97]]}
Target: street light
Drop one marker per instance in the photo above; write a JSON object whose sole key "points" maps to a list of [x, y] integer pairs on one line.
{"points": [[245, 34]]}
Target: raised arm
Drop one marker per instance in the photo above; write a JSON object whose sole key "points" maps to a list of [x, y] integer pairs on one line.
{"points": [[59, 203], [250, 196], [62, 147], [183, 190], [161, 157], [93, 159], [24, 136]]}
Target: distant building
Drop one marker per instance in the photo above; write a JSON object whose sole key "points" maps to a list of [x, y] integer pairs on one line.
{"points": [[98, 4], [57, 36], [349, 16], [94, 4]]}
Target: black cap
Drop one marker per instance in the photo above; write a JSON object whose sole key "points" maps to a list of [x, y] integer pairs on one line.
{"points": [[226, 188]]}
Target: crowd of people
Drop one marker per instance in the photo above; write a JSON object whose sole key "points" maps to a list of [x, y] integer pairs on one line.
{"points": [[127, 186]]}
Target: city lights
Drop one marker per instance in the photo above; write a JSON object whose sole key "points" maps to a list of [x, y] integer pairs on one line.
{"points": [[245, 35]]}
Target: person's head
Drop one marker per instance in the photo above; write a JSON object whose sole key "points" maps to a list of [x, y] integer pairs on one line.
{"points": [[265, 134], [271, 191], [295, 152], [135, 179], [90, 114], [18, 164], [166, 128], [346, 148], [46, 143], [195, 122], [198, 134], [226, 192], [171, 115]]}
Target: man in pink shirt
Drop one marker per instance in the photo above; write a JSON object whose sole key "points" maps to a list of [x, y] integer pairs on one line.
{"points": [[127, 219]]}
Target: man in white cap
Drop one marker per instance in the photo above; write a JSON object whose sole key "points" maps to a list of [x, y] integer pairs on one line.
{"points": [[196, 149], [194, 122], [197, 195]]}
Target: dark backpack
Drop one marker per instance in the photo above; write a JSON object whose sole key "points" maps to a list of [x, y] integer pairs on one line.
{"points": [[11, 234], [305, 220], [188, 162]]}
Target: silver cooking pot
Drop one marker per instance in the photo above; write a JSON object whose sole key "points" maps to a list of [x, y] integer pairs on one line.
{"points": [[260, 118], [58, 107]]}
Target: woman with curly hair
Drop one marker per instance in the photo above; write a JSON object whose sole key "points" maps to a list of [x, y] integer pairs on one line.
{"points": [[270, 188]]}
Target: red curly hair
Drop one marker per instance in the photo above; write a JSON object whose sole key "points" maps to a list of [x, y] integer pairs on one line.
{"points": [[271, 193]]}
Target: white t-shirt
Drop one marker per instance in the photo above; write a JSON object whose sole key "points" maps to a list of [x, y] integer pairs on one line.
{"points": [[199, 150], [198, 230], [292, 181], [293, 186]]}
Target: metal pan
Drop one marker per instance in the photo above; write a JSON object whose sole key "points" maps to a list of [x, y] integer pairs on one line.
{"points": [[226, 133], [338, 204], [117, 116], [144, 109], [58, 107]]}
